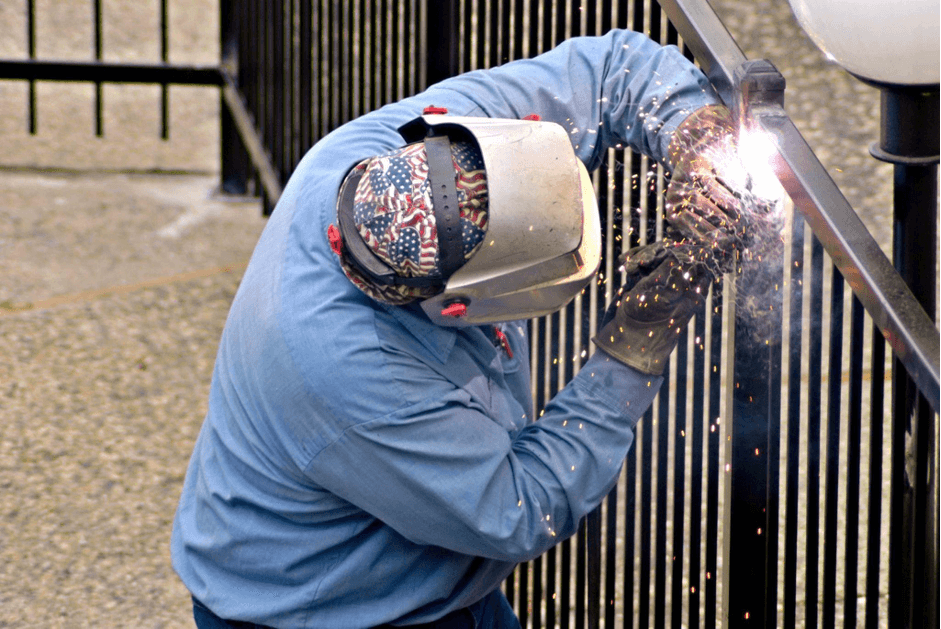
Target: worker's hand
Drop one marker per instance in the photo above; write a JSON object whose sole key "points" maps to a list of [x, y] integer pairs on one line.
{"points": [[665, 287], [699, 203]]}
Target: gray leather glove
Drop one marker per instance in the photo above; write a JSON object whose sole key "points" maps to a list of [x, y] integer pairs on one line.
{"points": [[665, 287], [699, 204]]}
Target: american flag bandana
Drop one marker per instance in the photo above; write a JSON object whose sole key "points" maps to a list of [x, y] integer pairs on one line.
{"points": [[393, 214]]}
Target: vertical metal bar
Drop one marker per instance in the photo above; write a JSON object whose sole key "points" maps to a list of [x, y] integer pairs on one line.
{"points": [[696, 469], [794, 417], [234, 161], [332, 95], [522, 606], [660, 556], [283, 87], [520, 32], [613, 187], [305, 71], [853, 471], [276, 144], [874, 534], [412, 40], [913, 546], [31, 51], [833, 450], [317, 74], [369, 56], [493, 34], [565, 596], [267, 99], [343, 70], [713, 459], [574, 10], [590, 11], [773, 467], [442, 33], [648, 547], [581, 551], [96, 25], [593, 551], [610, 557], [395, 60], [255, 26], [551, 588], [812, 535], [558, 23], [924, 536], [165, 58], [246, 72], [755, 415], [655, 22], [291, 103], [537, 592], [646, 516], [679, 481], [398, 44], [632, 466], [610, 15], [389, 38], [504, 33]]}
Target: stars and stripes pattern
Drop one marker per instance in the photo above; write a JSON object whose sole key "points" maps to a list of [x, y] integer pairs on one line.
{"points": [[393, 212]]}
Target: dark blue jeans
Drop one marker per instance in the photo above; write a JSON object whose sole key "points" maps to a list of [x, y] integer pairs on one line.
{"points": [[492, 612]]}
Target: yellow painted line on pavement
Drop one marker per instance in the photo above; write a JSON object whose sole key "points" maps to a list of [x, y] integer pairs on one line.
{"points": [[9, 308]]}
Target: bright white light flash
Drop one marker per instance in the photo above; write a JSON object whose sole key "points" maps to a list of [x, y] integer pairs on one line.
{"points": [[756, 150]]}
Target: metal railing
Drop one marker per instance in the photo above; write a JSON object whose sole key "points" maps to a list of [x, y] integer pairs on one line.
{"points": [[768, 479]]}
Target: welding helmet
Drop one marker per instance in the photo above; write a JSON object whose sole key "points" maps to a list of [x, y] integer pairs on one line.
{"points": [[543, 238]]}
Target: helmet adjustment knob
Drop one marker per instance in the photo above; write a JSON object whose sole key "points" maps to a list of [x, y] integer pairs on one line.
{"points": [[456, 308]]}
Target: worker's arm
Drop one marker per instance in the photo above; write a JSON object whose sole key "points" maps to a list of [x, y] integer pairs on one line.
{"points": [[444, 470], [620, 89], [617, 89]]}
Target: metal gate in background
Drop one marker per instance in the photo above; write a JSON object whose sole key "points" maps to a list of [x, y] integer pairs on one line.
{"points": [[773, 482], [768, 482]]}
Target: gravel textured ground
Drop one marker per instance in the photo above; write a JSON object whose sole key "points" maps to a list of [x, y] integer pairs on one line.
{"points": [[113, 295]]}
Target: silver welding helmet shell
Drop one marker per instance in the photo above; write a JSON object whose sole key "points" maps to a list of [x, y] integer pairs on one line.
{"points": [[543, 240]]}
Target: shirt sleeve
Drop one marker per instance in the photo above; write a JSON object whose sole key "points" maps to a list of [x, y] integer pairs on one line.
{"points": [[617, 90], [443, 473]]}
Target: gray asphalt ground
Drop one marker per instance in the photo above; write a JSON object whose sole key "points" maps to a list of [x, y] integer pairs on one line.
{"points": [[117, 266]]}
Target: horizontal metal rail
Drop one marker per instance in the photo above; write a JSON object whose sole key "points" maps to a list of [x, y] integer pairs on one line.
{"points": [[109, 72], [890, 303], [163, 74], [874, 280]]}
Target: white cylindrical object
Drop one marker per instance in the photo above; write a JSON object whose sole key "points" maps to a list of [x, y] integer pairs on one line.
{"points": [[887, 41]]}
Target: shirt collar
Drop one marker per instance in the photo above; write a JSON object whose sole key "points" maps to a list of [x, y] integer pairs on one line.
{"points": [[436, 339]]}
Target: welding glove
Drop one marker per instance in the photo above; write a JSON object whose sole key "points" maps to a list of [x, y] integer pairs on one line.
{"points": [[665, 287], [699, 204]]}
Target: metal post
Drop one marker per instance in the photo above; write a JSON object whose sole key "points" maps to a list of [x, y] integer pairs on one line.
{"points": [[441, 58], [909, 140], [234, 160], [754, 432]]}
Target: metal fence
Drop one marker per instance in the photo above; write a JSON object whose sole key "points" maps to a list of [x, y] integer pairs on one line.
{"points": [[783, 476]]}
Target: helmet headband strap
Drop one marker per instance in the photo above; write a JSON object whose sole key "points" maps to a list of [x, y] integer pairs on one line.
{"points": [[441, 175]]}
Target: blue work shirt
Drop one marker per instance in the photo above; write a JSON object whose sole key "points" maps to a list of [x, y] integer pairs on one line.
{"points": [[359, 465]]}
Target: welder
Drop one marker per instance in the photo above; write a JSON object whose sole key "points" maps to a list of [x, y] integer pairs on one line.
{"points": [[370, 456]]}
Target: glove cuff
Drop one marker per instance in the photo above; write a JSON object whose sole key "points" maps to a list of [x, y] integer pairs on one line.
{"points": [[701, 128], [645, 346]]}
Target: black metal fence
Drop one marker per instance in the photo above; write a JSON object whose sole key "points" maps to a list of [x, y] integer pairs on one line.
{"points": [[771, 478]]}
